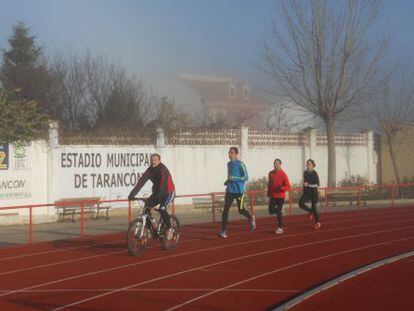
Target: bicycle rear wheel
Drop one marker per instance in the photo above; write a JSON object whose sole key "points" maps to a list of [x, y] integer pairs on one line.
{"points": [[137, 237], [170, 244]]}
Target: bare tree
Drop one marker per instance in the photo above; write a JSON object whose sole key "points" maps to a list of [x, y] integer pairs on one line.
{"points": [[393, 106], [240, 117], [320, 61], [208, 117], [277, 119], [164, 113], [71, 91], [95, 94]]}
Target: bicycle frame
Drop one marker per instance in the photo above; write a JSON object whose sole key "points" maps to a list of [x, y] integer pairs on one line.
{"points": [[144, 226], [149, 222]]}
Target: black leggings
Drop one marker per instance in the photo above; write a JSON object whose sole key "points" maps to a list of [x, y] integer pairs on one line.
{"points": [[314, 200], [275, 207], [228, 201]]}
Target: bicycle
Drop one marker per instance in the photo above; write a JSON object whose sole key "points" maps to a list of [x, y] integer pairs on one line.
{"points": [[144, 227]]}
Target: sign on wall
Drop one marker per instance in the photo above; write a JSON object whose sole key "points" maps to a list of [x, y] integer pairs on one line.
{"points": [[4, 157], [20, 157], [107, 172], [15, 179]]}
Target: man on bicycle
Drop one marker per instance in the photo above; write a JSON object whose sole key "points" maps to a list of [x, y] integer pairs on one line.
{"points": [[163, 189]]}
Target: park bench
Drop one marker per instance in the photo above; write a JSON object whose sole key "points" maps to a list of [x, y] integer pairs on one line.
{"points": [[206, 204], [73, 206], [351, 197]]}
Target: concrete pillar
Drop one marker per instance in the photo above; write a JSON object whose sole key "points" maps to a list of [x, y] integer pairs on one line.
{"points": [[244, 140], [309, 151], [52, 187], [371, 156], [54, 134], [160, 138]]}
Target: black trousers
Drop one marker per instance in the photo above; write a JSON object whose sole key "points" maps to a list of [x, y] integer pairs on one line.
{"points": [[164, 203], [275, 207], [314, 200], [228, 201]]}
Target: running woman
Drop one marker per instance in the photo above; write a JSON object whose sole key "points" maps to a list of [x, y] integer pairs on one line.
{"points": [[236, 179], [310, 192], [276, 191]]}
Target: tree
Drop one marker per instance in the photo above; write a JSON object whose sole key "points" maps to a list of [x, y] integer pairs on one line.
{"points": [[123, 109], [24, 72], [165, 114], [392, 107], [70, 88], [318, 57], [95, 94], [20, 121], [208, 117]]}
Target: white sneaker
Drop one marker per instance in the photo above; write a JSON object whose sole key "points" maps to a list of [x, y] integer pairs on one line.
{"points": [[170, 233], [279, 231], [223, 234], [252, 224]]}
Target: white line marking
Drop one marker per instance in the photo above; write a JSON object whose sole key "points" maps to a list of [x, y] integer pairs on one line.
{"points": [[81, 290], [124, 251], [330, 214], [327, 285], [183, 242], [230, 260], [63, 249], [281, 269]]}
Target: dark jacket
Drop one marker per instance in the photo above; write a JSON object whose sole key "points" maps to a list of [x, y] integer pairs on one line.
{"points": [[312, 178], [161, 179]]}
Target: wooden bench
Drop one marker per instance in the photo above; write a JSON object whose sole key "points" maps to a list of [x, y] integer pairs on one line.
{"points": [[206, 204], [73, 206], [352, 198]]}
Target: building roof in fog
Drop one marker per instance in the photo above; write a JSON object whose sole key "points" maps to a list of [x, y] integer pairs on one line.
{"points": [[224, 91]]}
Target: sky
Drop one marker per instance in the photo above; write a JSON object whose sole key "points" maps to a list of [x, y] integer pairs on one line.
{"points": [[157, 38]]}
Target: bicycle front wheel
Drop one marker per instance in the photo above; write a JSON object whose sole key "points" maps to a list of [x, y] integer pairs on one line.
{"points": [[170, 244], [137, 237]]}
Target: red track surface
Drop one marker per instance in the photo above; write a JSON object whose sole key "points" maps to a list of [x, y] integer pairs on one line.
{"points": [[248, 271], [387, 288]]}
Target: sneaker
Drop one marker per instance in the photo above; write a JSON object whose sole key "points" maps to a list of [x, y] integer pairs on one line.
{"points": [[279, 231], [170, 233], [252, 224], [318, 226], [223, 234], [310, 216]]}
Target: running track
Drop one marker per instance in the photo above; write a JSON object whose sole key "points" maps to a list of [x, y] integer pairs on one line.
{"points": [[248, 271]]}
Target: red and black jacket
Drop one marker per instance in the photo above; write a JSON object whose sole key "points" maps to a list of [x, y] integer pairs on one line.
{"points": [[278, 184], [161, 179]]}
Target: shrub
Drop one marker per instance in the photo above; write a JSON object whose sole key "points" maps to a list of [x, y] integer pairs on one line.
{"points": [[353, 180], [258, 184]]}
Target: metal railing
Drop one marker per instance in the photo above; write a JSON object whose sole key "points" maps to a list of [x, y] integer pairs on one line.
{"points": [[362, 196]]}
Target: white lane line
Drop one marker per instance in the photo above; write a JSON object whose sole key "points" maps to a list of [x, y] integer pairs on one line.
{"points": [[281, 269], [182, 242], [124, 251], [331, 216], [97, 290], [327, 285], [63, 249], [227, 261]]}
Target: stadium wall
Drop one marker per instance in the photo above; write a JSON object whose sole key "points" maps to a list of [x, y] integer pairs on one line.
{"points": [[44, 172]]}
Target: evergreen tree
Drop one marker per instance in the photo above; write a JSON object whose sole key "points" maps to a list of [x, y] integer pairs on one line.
{"points": [[24, 73], [20, 121]]}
